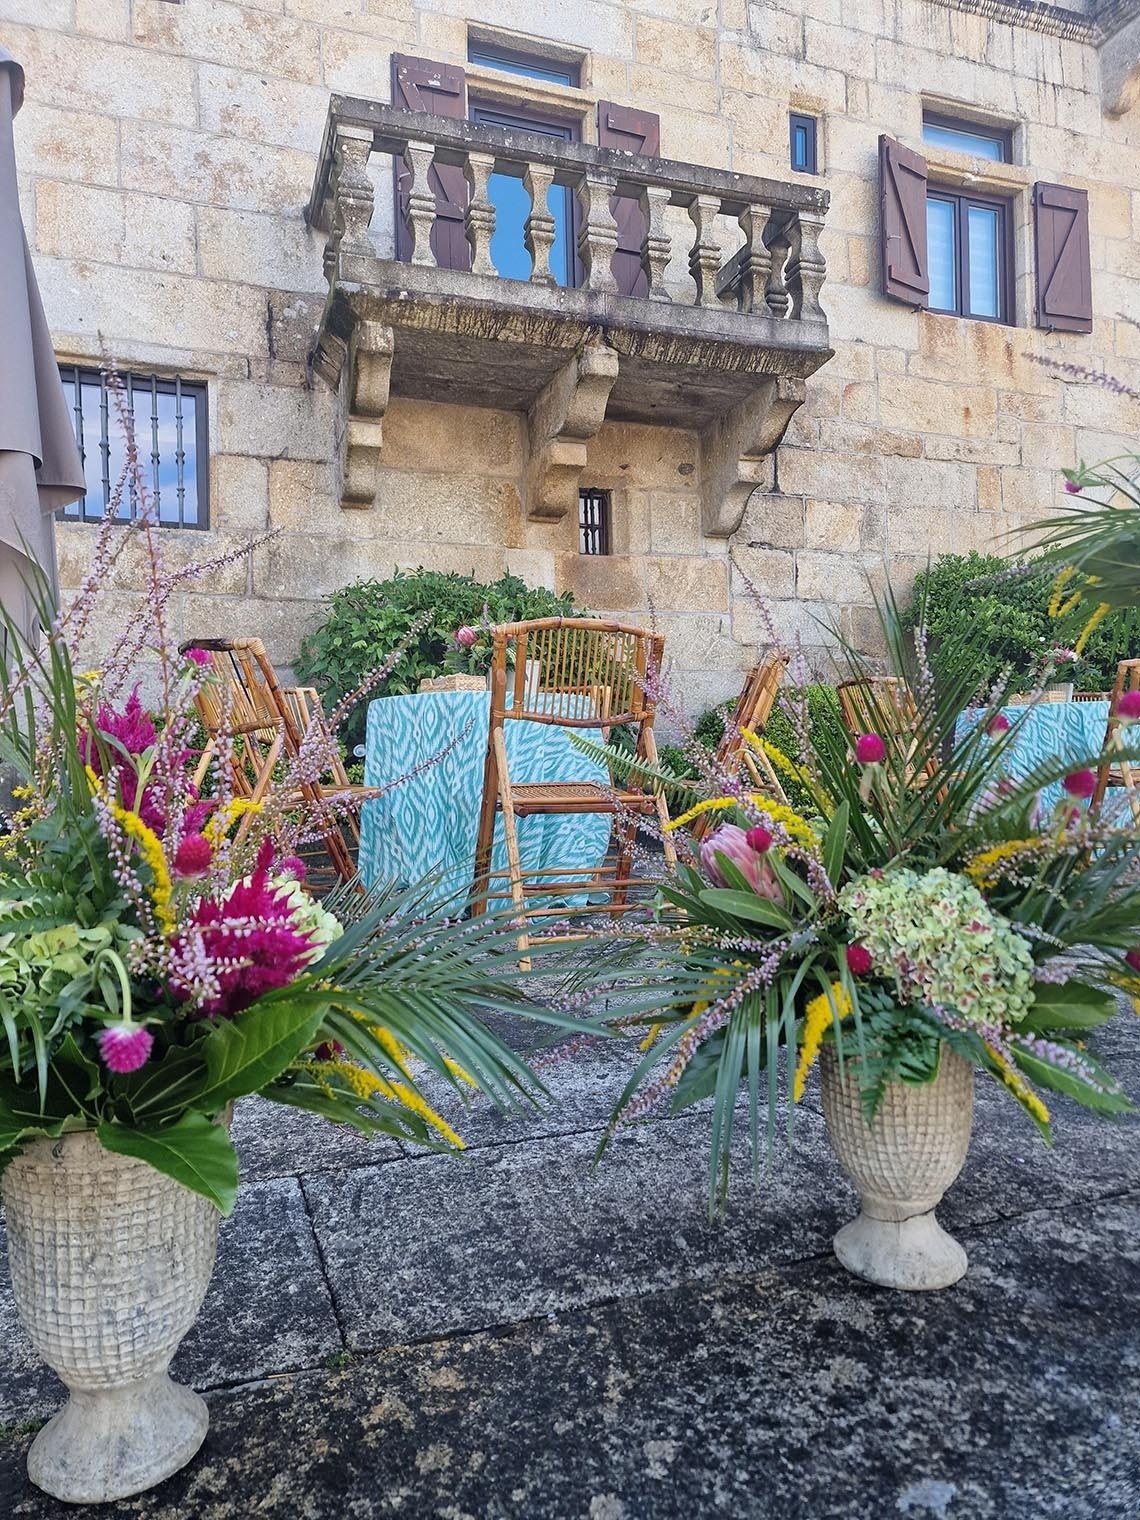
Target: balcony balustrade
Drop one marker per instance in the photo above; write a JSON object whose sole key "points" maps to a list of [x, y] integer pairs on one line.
{"points": [[724, 351]]}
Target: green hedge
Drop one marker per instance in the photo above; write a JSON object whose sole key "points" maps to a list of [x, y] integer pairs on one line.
{"points": [[968, 593], [368, 620]]}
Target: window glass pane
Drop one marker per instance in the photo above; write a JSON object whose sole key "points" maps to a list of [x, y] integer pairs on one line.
{"points": [[531, 68], [962, 140], [940, 220], [512, 207], [982, 224], [800, 150]]}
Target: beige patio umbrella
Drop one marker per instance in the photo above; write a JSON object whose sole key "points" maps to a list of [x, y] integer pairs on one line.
{"points": [[40, 466]]}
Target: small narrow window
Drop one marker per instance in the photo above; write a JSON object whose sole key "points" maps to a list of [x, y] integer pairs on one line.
{"points": [[968, 241], [803, 142], [169, 421], [530, 65], [593, 522], [965, 137]]}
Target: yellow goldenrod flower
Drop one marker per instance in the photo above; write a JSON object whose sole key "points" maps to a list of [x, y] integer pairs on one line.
{"points": [[1056, 609], [1018, 1086], [457, 1071], [220, 824], [1102, 611], [984, 869], [818, 1017], [710, 805], [150, 848]]}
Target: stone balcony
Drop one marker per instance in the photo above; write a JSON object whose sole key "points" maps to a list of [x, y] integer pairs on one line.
{"points": [[721, 343]]}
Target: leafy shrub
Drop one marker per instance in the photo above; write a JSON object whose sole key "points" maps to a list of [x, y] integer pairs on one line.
{"points": [[368, 619], [978, 593], [709, 730]]}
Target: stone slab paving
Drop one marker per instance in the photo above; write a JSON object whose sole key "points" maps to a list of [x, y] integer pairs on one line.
{"points": [[521, 1334]]}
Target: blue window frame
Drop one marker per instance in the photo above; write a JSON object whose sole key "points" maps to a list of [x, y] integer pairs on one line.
{"points": [[967, 242], [804, 138], [530, 65], [963, 137], [512, 205]]}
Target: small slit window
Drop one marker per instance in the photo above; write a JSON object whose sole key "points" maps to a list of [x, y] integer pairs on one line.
{"points": [[530, 65], [594, 522], [804, 137], [967, 137], [169, 419]]}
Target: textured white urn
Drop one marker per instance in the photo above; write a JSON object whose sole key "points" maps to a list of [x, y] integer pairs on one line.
{"points": [[900, 1165], [110, 1262]]}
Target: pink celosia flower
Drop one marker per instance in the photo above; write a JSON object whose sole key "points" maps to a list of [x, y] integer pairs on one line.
{"points": [[1129, 706], [1072, 487], [998, 724], [759, 839], [1081, 783], [134, 731], [250, 938], [125, 1047], [192, 858], [199, 656], [859, 960], [466, 636], [732, 843], [870, 749]]}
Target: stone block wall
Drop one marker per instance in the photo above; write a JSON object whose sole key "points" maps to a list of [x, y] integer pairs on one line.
{"points": [[166, 152]]}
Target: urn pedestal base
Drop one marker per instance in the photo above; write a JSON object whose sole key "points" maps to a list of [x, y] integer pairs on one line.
{"points": [[913, 1254]]}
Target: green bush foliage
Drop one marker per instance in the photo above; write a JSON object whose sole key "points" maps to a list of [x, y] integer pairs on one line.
{"points": [[780, 731], [368, 619], [974, 591]]}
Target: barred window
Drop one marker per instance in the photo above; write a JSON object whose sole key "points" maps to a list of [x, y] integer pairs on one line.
{"points": [[594, 522], [169, 418]]}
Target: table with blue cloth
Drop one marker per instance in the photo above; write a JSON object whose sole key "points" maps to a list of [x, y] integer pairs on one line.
{"points": [[1052, 731], [429, 822]]}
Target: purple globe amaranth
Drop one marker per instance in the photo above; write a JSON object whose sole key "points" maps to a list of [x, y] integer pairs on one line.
{"points": [[1081, 784], [870, 749], [125, 1047]]}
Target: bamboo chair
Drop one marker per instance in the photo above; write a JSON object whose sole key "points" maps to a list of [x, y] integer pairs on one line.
{"points": [[575, 673], [266, 721], [885, 705], [1121, 773], [752, 711]]}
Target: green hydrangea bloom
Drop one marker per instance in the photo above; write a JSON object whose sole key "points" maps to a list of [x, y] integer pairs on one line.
{"points": [[936, 936]]}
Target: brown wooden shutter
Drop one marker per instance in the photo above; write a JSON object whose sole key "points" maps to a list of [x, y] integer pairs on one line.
{"points": [[1064, 268], [629, 131], [902, 223], [418, 84]]}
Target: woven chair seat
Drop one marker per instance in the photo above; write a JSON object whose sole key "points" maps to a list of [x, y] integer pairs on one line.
{"points": [[578, 797]]}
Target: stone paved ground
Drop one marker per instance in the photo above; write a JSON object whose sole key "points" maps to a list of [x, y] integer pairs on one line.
{"points": [[516, 1335]]}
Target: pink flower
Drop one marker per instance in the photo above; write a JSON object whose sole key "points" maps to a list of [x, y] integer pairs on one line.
{"points": [[859, 961], [199, 656], [466, 636], [732, 843], [1081, 783], [295, 867], [870, 749], [998, 724], [1072, 487], [125, 1047], [759, 839], [1129, 706], [192, 857], [1133, 959]]}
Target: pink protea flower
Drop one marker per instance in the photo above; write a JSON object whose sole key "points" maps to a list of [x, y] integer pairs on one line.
{"points": [[870, 749], [1081, 784], [998, 724], [732, 843], [125, 1047], [466, 636], [859, 961], [199, 656], [1128, 707], [192, 857], [759, 839]]}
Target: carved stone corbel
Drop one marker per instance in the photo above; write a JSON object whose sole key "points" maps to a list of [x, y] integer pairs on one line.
{"points": [[736, 451], [563, 418], [1120, 70], [369, 369]]}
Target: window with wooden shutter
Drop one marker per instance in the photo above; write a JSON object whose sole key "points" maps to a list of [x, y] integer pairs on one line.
{"points": [[418, 84], [902, 223], [1064, 267], [639, 132]]}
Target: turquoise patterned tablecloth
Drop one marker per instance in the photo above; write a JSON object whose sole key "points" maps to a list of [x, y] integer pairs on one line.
{"points": [[429, 823], [1053, 731]]}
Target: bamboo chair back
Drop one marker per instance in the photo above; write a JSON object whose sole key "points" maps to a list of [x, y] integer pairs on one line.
{"points": [[1121, 772], [241, 704], [884, 705], [734, 753], [573, 672]]}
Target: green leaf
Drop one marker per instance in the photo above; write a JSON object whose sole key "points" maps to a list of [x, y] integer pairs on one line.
{"points": [[193, 1151], [1105, 1097], [243, 1054], [747, 905], [835, 843], [1074, 1005]]}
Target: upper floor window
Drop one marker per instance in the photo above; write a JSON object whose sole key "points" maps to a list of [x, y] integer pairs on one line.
{"points": [[804, 137], [968, 243], [169, 423], [530, 65], [512, 203], [967, 137]]}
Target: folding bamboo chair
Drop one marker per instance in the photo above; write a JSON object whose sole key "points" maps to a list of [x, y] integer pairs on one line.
{"points": [[575, 673], [1121, 773], [752, 711], [264, 722], [885, 705]]}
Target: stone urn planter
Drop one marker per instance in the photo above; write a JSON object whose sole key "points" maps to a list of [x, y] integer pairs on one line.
{"points": [[457, 682], [900, 1165], [110, 1262]]}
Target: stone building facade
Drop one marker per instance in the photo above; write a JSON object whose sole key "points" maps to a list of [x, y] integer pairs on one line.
{"points": [[168, 155]]}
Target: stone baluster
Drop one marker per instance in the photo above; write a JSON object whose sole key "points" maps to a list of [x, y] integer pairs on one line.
{"points": [[776, 291], [597, 239], [656, 246], [352, 198], [539, 230], [807, 268], [479, 218], [704, 256], [419, 157], [755, 261]]}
